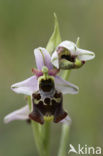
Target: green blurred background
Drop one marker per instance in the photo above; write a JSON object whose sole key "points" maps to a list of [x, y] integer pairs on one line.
{"points": [[27, 24]]}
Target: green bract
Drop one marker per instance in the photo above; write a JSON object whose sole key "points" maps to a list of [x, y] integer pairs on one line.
{"points": [[55, 39]]}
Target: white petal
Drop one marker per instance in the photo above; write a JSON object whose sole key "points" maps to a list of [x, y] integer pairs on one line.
{"points": [[67, 120], [55, 59], [85, 55], [65, 87], [70, 46], [26, 87], [20, 114], [42, 58]]}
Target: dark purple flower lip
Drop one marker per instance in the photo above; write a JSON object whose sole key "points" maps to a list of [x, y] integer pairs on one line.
{"points": [[47, 107]]}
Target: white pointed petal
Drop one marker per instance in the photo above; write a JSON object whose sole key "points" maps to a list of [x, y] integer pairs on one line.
{"points": [[42, 58], [85, 55], [67, 120], [20, 114], [70, 46], [26, 87], [55, 59], [65, 87]]}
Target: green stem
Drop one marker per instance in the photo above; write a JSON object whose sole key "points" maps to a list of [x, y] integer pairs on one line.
{"points": [[36, 135], [66, 74], [45, 138], [65, 128], [64, 140]]}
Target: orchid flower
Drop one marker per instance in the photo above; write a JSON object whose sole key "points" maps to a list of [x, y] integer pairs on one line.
{"points": [[45, 89], [68, 55]]}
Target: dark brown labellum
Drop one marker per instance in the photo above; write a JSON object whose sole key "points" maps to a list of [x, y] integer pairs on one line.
{"points": [[47, 107]]}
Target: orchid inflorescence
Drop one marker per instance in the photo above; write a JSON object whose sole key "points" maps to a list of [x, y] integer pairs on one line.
{"points": [[44, 90], [45, 87]]}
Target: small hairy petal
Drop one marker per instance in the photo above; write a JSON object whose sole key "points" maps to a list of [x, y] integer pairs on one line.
{"points": [[65, 87], [85, 55], [20, 114], [26, 87], [67, 120], [55, 59], [42, 58]]}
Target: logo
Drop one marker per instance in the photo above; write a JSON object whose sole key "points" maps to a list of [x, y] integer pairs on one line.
{"points": [[85, 150]]}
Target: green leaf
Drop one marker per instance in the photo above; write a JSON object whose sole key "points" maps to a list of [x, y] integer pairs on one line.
{"points": [[55, 39]]}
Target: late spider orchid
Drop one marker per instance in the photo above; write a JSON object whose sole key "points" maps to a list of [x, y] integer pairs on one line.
{"points": [[69, 56], [45, 89]]}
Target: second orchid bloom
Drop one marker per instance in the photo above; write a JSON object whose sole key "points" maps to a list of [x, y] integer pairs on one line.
{"points": [[69, 56]]}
